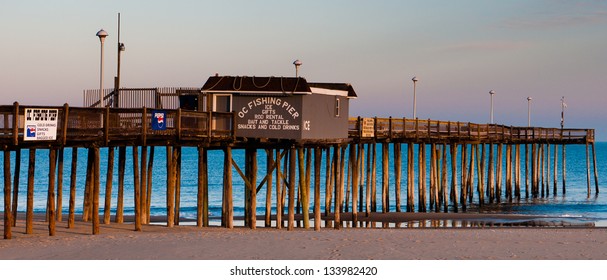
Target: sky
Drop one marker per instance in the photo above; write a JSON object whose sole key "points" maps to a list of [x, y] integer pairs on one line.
{"points": [[459, 51]]}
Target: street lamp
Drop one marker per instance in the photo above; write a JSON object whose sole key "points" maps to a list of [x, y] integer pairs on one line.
{"points": [[297, 63], [101, 34], [491, 92], [529, 111], [563, 106], [414, 79]]}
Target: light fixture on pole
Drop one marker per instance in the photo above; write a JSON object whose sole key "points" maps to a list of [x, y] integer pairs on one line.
{"points": [[414, 79], [563, 106], [491, 92], [101, 34], [297, 63], [529, 111], [121, 48]]}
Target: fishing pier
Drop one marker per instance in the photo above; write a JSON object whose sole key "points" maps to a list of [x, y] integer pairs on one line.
{"points": [[303, 128]]}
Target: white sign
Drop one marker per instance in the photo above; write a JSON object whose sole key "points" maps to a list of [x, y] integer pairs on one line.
{"points": [[40, 124], [368, 127]]}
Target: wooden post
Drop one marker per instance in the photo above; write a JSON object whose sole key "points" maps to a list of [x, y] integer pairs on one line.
{"points": [[517, 173], [527, 170], [509, 172], [15, 202], [96, 186], [397, 174], [302, 187], [51, 190], [498, 177], [385, 192], [269, 166], [87, 200], [564, 167], [368, 183], [471, 175], [596, 175], [170, 197], [120, 199], [292, 167], [421, 183], [148, 195], [444, 179], [555, 170], [144, 185], [410, 179], [59, 205], [373, 177], [228, 213], [108, 185], [317, 165], [453, 148], [252, 160], [464, 180], [481, 175], [203, 178], [136, 188], [31, 173], [433, 179], [338, 186], [355, 181], [328, 185], [177, 166], [588, 168], [7, 196], [490, 177], [279, 180]]}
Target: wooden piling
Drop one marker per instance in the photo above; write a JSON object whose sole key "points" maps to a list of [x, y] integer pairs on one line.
{"points": [[86, 208], [453, 150], [397, 174], [517, 171], [279, 180], [564, 168], [51, 191], [481, 174], [410, 179], [136, 188], [108, 186], [498, 177], [596, 175], [31, 173], [15, 203], [7, 195], [269, 167], [177, 165], [119, 219], [228, 209], [59, 204], [421, 182], [96, 186], [490, 175], [292, 166], [588, 168], [317, 165], [150, 177], [385, 193], [355, 182], [144, 185]]}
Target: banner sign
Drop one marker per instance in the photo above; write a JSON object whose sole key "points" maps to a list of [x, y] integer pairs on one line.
{"points": [[159, 120], [40, 124]]}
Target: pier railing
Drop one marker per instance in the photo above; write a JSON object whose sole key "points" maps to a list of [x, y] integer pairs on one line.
{"points": [[109, 126], [438, 131], [77, 126]]}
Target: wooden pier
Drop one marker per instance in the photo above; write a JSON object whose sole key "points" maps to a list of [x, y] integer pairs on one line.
{"points": [[465, 160]]}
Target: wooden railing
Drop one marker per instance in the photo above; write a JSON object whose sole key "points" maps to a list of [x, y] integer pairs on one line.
{"points": [[432, 130], [110, 126], [107, 125]]}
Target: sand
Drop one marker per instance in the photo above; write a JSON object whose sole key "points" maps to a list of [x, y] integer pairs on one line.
{"points": [[157, 242]]}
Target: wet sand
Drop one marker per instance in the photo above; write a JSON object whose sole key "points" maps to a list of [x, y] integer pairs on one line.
{"points": [[477, 242]]}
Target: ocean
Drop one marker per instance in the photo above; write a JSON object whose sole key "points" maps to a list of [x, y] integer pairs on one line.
{"points": [[575, 206]]}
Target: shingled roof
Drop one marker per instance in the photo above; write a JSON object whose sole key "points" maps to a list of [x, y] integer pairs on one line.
{"points": [[270, 85], [257, 85]]}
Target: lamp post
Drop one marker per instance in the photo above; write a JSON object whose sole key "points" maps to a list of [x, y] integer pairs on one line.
{"points": [[101, 34], [563, 106], [491, 92], [297, 63], [529, 111], [414, 79]]}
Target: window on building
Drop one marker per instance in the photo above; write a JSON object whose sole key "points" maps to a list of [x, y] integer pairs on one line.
{"points": [[337, 106]]}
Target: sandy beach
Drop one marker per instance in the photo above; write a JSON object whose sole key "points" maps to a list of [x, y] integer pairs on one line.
{"points": [[157, 242]]}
